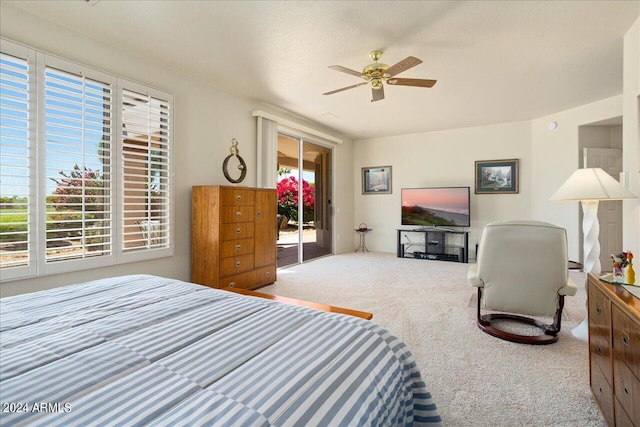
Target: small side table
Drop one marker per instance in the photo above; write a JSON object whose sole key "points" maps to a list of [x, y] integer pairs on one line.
{"points": [[362, 233]]}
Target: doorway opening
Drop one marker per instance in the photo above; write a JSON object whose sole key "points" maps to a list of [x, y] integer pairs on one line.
{"points": [[304, 200], [601, 147]]}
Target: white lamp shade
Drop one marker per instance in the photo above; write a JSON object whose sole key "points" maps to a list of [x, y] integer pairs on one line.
{"points": [[591, 184]]}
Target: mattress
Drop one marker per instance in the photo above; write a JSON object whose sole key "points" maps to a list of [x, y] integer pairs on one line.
{"points": [[146, 350]]}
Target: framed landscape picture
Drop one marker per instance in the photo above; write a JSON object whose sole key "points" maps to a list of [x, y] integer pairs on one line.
{"points": [[497, 176], [376, 180]]}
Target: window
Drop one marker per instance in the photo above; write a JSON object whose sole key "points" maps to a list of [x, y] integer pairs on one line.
{"points": [[85, 169]]}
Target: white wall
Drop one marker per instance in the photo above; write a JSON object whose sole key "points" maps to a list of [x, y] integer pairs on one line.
{"points": [[441, 159], [631, 136], [206, 119]]}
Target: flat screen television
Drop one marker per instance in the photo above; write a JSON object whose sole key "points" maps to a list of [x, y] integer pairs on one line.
{"points": [[436, 206]]}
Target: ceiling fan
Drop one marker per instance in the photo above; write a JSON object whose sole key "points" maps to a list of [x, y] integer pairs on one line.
{"points": [[377, 73]]}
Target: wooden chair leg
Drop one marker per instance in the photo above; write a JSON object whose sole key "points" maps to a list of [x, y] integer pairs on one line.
{"points": [[550, 331]]}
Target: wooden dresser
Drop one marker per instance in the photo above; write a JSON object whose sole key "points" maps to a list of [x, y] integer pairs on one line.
{"points": [[233, 236], [614, 351]]}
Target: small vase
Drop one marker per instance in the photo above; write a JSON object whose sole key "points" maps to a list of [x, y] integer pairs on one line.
{"points": [[630, 275], [618, 275]]}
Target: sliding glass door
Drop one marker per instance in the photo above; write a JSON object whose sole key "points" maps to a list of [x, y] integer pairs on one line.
{"points": [[304, 200]]}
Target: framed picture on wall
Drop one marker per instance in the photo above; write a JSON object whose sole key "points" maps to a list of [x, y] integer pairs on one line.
{"points": [[376, 180], [497, 176]]}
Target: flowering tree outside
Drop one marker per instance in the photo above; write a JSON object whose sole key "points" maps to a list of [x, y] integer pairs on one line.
{"points": [[287, 190]]}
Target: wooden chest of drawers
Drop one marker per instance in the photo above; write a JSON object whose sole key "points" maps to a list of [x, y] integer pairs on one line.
{"points": [[614, 351], [234, 232]]}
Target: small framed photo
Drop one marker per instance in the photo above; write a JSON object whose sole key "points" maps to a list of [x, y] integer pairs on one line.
{"points": [[497, 176], [376, 180]]}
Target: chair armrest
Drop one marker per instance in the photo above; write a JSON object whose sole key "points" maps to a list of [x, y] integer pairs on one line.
{"points": [[570, 289], [472, 276]]}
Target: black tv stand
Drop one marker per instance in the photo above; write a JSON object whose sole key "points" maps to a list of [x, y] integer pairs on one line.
{"points": [[434, 243]]}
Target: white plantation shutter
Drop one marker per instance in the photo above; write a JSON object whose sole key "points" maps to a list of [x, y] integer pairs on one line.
{"points": [[145, 169], [16, 213], [78, 129], [75, 143]]}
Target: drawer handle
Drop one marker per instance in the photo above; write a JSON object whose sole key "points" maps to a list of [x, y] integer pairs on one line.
{"points": [[238, 230], [237, 263], [600, 390], [625, 338], [627, 392], [239, 197], [238, 247]]}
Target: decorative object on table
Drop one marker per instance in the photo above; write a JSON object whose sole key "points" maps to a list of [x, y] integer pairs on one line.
{"points": [[497, 176], [376, 180], [620, 264], [630, 273], [235, 152], [362, 231], [589, 186]]}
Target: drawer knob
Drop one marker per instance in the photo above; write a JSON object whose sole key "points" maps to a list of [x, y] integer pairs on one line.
{"points": [[237, 263], [239, 197], [625, 339], [238, 230], [239, 214], [259, 213], [238, 247], [232, 284], [599, 349], [598, 310], [627, 392], [268, 273]]}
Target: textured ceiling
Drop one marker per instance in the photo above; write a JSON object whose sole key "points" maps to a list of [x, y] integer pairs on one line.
{"points": [[495, 61]]}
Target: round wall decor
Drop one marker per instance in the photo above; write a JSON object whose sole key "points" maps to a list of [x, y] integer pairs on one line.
{"points": [[235, 152]]}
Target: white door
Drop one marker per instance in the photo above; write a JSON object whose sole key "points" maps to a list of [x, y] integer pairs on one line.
{"points": [[609, 213]]}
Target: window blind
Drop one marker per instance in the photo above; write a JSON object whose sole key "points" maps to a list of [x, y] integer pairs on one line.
{"points": [[15, 210], [145, 172], [78, 130]]}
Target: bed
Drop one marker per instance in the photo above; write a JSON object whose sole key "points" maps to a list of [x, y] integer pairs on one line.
{"points": [[146, 350]]}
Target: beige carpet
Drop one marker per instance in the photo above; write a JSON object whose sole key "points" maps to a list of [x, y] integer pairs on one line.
{"points": [[476, 380]]}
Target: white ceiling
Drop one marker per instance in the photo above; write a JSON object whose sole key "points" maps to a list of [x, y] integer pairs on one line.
{"points": [[495, 61]]}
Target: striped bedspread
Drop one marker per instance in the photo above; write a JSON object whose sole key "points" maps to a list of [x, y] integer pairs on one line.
{"points": [[145, 350]]}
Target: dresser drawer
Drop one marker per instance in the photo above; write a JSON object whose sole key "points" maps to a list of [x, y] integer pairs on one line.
{"points": [[626, 340], [622, 419], [603, 394], [243, 280], [265, 276], [240, 230], [627, 387], [232, 248], [236, 197], [233, 214], [236, 264], [600, 351], [599, 311]]}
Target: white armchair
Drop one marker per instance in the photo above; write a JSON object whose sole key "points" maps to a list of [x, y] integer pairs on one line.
{"points": [[522, 268]]}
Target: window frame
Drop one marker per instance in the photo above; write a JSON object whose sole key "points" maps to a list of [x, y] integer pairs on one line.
{"points": [[38, 61]]}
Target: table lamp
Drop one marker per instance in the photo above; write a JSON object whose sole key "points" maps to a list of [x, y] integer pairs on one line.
{"points": [[589, 186]]}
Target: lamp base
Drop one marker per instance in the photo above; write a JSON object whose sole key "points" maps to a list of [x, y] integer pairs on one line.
{"points": [[581, 331]]}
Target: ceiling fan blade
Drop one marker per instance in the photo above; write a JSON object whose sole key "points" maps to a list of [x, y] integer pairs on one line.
{"points": [[377, 94], [346, 70], [412, 82], [405, 64], [344, 88]]}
